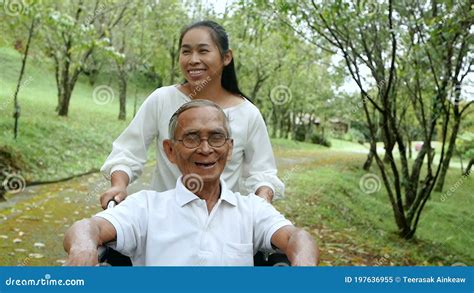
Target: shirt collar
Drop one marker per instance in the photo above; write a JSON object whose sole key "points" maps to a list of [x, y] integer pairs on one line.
{"points": [[184, 196]]}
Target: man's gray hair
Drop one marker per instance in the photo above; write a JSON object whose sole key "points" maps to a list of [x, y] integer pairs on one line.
{"points": [[196, 104]]}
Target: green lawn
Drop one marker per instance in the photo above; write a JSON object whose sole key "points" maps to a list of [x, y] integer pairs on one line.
{"points": [[356, 228], [53, 147]]}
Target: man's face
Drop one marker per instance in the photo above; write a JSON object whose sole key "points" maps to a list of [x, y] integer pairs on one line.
{"points": [[206, 161]]}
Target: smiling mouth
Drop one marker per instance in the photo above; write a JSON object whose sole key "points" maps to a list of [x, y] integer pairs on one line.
{"points": [[205, 165], [196, 72]]}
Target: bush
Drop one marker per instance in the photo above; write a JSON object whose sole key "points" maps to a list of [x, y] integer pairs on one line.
{"points": [[465, 145], [354, 135], [319, 139], [300, 134]]}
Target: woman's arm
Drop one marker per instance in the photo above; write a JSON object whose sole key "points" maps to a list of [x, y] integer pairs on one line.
{"points": [[259, 168], [129, 151]]}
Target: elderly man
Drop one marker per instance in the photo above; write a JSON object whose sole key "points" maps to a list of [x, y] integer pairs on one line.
{"points": [[200, 222]]}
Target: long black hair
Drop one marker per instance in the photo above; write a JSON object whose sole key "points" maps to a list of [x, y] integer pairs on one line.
{"points": [[220, 37]]}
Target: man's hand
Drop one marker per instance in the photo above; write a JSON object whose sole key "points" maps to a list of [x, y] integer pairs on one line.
{"points": [[82, 239], [298, 245], [265, 192], [82, 257]]}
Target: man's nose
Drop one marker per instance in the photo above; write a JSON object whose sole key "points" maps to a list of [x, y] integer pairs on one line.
{"points": [[204, 147]]}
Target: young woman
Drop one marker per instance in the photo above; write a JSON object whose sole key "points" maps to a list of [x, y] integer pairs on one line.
{"points": [[207, 64]]}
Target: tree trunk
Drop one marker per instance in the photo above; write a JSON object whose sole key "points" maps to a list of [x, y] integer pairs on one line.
{"points": [[63, 108], [173, 57], [16, 113], [468, 168], [410, 155], [122, 94], [448, 155], [368, 162]]}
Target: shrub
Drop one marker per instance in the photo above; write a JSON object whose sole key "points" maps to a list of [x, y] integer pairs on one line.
{"points": [[300, 134], [319, 139], [354, 135]]}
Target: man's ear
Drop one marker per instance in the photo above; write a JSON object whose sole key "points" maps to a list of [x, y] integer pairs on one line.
{"points": [[231, 148], [168, 146], [228, 57]]}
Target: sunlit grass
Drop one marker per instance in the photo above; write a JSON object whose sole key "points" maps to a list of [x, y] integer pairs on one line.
{"points": [[328, 201], [53, 147]]}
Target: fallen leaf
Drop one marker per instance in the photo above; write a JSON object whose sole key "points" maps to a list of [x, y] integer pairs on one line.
{"points": [[35, 255]]}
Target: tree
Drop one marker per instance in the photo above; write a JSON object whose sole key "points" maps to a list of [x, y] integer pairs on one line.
{"points": [[366, 33], [71, 37], [16, 112]]}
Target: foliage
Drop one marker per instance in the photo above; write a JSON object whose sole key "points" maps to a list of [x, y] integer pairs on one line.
{"points": [[52, 147], [300, 134], [465, 145], [354, 135], [317, 138], [385, 44]]}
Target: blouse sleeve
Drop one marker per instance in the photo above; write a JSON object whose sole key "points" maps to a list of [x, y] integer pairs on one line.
{"points": [[129, 150], [259, 167]]}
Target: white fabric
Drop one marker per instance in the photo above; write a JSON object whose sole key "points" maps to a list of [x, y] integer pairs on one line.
{"points": [[174, 228], [252, 165]]}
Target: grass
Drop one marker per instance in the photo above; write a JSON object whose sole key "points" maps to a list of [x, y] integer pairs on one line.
{"points": [[356, 228], [53, 147], [322, 185]]}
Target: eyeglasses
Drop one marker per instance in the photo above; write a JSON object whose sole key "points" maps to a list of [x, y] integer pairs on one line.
{"points": [[192, 141]]}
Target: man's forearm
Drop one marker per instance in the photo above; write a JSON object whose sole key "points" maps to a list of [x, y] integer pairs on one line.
{"points": [[301, 249], [81, 242]]}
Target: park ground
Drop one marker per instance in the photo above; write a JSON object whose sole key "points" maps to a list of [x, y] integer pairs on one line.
{"points": [[324, 190]]}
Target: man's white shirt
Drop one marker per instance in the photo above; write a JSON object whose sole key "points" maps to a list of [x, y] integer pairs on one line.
{"points": [[174, 228]]}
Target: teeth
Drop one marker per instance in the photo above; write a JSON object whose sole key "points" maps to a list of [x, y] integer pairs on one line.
{"points": [[206, 164]]}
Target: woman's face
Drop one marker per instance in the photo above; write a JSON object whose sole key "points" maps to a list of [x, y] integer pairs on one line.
{"points": [[199, 58]]}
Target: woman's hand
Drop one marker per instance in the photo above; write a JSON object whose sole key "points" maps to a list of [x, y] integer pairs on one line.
{"points": [[117, 193], [265, 193]]}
